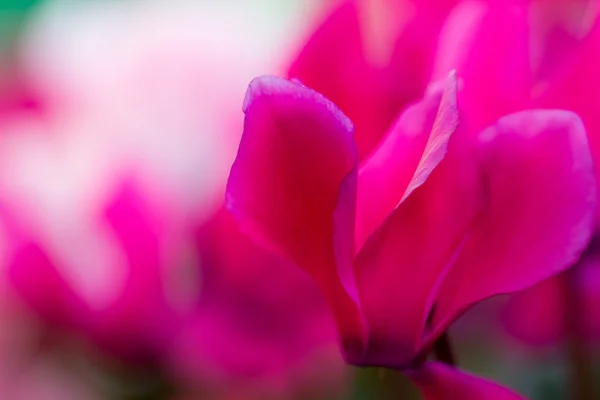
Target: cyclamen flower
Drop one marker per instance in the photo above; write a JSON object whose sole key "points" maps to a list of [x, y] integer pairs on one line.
{"points": [[435, 220]]}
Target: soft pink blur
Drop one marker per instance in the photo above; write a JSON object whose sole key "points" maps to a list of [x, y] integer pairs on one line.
{"points": [[110, 198]]}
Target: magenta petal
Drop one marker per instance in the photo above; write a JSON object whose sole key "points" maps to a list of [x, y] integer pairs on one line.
{"points": [[342, 61], [334, 63], [137, 319], [476, 41], [385, 176], [413, 59], [574, 87], [37, 281], [536, 315], [259, 317], [292, 188], [557, 26], [439, 381], [295, 152], [541, 192], [400, 264]]}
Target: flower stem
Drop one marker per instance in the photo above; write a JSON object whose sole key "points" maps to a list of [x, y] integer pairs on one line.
{"points": [[442, 348], [576, 343]]}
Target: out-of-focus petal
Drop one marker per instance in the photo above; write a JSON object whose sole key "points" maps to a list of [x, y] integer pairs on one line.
{"points": [[536, 316], [334, 63], [414, 52], [401, 264], [360, 56], [43, 289], [137, 320], [557, 27], [293, 188], [574, 86], [541, 199], [259, 318], [16, 96], [438, 381], [475, 41]]}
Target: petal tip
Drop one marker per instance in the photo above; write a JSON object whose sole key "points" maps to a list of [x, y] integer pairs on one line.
{"points": [[269, 85], [264, 84]]}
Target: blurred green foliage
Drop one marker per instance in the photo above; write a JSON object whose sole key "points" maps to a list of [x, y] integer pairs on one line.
{"points": [[17, 5], [13, 13]]}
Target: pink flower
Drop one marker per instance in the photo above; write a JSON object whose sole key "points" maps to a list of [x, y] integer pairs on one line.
{"points": [[102, 196], [131, 316], [435, 220]]}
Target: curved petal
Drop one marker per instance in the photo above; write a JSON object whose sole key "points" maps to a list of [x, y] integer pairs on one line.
{"points": [[137, 320], [475, 41], [537, 315], [539, 219], [439, 381], [244, 324], [400, 264], [33, 274], [574, 87], [385, 175], [292, 188]]}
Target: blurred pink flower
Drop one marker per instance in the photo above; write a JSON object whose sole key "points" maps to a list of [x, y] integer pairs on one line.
{"points": [[132, 321], [103, 194], [458, 212]]}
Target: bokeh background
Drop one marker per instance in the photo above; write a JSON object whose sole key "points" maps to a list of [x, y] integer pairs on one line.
{"points": [[122, 277]]}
